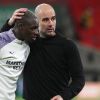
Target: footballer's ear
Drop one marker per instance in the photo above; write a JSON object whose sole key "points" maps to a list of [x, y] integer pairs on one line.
{"points": [[20, 25]]}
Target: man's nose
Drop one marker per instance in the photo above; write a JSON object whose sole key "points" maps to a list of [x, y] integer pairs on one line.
{"points": [[50, 22], [36, 32]]}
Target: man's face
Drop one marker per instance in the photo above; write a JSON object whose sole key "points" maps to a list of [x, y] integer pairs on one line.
{"points": [[47, 23], [30, 30]]}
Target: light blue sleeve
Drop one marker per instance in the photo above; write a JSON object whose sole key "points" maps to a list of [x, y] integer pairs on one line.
{"points": [[6, 37]]}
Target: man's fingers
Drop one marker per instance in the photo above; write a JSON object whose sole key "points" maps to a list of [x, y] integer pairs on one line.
{"points": [[19, 14], [54, 98], [17, 17], [21, 10], [57, 97]]}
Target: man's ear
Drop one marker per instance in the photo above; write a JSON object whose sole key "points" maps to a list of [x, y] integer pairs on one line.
{"points": [[20, 26]]}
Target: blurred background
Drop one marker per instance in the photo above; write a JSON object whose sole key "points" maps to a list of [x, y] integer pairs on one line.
{"points": [[78, 20]]}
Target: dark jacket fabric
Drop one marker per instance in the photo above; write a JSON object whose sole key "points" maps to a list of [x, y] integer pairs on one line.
{"points": [[53, 68]]}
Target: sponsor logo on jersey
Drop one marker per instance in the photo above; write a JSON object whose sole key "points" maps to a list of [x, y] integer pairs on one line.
{"points": [[17, 65]]}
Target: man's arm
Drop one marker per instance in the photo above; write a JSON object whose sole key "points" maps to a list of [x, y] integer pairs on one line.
{"points": [[10, 22], [75, 71], [6, 26]]}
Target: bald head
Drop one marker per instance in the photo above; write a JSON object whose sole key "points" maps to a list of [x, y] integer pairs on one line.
{"points": [[43, 8], [47, 20]]}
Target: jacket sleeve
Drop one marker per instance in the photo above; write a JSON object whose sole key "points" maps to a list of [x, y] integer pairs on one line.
{"points": [[6, 27], [75, 71]]}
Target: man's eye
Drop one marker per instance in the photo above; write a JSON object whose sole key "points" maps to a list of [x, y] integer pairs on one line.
{"points": [[53, 18], [35, 27], [45, 19]]}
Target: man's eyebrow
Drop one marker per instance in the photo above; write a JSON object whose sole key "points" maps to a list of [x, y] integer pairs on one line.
{"points": [[49, 17]]}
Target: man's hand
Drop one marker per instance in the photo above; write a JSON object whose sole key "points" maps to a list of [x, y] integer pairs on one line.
{"points": [[57, 97], [17, 15]]}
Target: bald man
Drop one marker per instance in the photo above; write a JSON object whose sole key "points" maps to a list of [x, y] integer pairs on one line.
{"points": [[52, 62], [14, 51]]}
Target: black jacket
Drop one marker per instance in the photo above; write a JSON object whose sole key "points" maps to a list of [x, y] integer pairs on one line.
{"points": [[52, 63]]}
